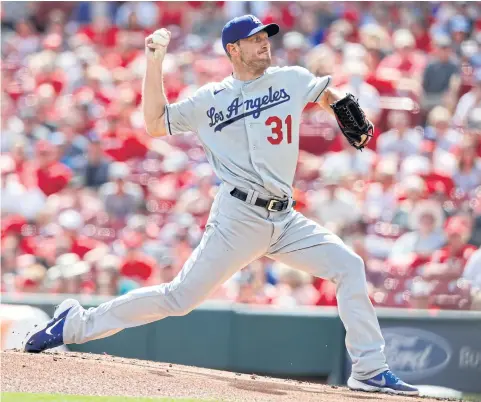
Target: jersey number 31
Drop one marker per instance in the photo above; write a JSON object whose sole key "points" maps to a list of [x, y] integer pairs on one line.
{"points": [[275, 123]]}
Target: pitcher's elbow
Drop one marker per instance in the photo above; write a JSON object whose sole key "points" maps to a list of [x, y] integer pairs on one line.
{"points": [[155, 128]]}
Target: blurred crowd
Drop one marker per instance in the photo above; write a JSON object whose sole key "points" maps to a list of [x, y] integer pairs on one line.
{"points": [[91, 204]]}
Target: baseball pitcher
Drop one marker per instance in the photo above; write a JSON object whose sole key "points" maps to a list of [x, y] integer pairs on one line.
{"points": [[249, 127]]}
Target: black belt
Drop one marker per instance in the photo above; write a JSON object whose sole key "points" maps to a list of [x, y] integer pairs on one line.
{"points": [[271, 205]]}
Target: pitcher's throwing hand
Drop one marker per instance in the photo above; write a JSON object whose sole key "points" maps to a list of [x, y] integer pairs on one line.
{"points": [[156, 44]]}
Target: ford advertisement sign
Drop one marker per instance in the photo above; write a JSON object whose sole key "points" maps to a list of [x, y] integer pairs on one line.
{"points": [[414, 354], [438, 351]]}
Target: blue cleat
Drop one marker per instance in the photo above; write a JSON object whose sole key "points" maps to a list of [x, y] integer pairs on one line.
{"points": [[51, 335], [384, 382]]}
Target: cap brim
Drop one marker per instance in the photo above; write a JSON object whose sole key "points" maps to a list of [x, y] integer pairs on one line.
{"points": [[271, 30]]}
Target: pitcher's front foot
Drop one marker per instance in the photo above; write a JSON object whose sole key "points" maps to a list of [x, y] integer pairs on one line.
{"points": [[384, 382], [50, 335]]}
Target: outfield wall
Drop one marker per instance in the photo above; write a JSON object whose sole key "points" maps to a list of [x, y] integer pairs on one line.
{"points": [[436, 348]]}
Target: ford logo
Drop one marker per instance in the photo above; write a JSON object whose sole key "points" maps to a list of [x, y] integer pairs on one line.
{"points": [[414, 353]]}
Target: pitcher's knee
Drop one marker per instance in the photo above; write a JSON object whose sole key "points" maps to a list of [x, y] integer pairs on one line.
{"points": [[353, 264], [178, 303], [358, 269], [358, 264], [181, 310]]}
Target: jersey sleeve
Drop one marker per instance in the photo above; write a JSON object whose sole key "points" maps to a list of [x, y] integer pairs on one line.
{"points": [[180, 116], [311, 86]]}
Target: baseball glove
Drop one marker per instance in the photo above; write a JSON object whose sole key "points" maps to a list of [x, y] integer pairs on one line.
{"points": [[352, 121]]}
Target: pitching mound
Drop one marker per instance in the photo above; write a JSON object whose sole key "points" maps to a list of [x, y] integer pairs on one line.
{"points": [[89, 374]]}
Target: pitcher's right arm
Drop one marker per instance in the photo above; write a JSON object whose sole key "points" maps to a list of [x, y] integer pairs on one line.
{"points": [[153, 95]]}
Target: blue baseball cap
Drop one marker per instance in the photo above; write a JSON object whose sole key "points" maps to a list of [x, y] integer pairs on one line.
{"points": [[243, 27]]}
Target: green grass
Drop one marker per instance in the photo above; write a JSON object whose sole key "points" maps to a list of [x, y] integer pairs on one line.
{"points": [[24, 397]]}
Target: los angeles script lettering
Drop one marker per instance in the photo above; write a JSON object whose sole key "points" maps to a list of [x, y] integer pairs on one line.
{"points": [[252, 107]]}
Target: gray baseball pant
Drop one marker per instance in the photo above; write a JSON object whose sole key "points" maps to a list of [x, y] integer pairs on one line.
{"points": [[238, 233]]}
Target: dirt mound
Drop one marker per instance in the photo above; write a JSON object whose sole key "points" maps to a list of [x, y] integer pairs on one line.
{"points": [[90, 374]]}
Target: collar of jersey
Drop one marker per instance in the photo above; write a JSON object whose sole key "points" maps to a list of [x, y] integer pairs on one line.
{"points": [[243, 83]]}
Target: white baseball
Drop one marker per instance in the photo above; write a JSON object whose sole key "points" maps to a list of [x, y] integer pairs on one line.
{"points": [[160, 37]]}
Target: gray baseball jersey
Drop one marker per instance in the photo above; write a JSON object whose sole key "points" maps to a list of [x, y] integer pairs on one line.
{"points": [[250, 130]]}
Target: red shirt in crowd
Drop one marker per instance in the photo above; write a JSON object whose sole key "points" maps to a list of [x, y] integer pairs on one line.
{"points": [[459, 259], [138, 267], [384, 87], [12, 224], [106, 38], [423, 42], [17, 225], [48, 247], [28, 245], [438, 182], [447, 294], [53, 178], [412, 65], [81, 245], [124, 146], [327, 292], [283, 16], [172, 13]]}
